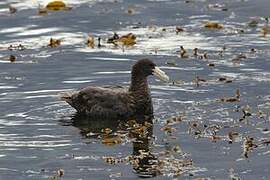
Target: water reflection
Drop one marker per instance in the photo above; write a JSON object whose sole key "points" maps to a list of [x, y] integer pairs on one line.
{"points": [[112, 132], [30, 135], [146, 161]]}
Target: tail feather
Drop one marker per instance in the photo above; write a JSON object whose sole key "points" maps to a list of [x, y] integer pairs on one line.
{"points": [[67, 96]]}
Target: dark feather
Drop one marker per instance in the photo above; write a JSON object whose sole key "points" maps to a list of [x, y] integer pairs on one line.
{"points": [[116, 102]]}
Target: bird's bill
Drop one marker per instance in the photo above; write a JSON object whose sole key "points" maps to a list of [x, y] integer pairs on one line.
{"points": [[160, 74]]}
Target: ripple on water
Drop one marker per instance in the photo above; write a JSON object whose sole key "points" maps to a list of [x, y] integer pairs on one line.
{"points": [[111, 59], [3, 86], [34, 4], [77, 81], [152, 39], [113, 72], [36, 141], [36, 144], [31, 94], [176, 88], [33, 120]]}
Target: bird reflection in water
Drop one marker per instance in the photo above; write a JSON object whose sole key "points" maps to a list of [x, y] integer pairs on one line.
{"points": [[113, 132]]}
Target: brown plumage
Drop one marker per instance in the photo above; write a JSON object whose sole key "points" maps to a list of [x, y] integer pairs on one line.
{"points": [[117, 102]]}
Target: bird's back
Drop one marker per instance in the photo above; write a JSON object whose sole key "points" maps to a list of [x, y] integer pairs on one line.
{"points": [[102, 102]]}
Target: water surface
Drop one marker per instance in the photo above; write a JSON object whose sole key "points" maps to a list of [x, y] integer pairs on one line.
{"points": [[39, 134]]}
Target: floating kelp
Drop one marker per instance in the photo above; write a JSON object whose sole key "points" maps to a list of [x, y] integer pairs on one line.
{"points": [[208, 119], [248, 146], [246, 113], [90, 41], [126, 40], [99, 43], [123, 41], [12, 10], [233, 175], [106, 131], [168, 129], [111, 140], [222, 79], [199, 56], [205, 55], [112, 160], [131, 10], [195, 52], [141, 131], [211, 65], [264, 142], [232, 136], [17, 58], [54, 43], [183, 52], [194, 129], [222, 51], [210, 131], [57, 6], [253, 50], [225, 79], [235, 98], [261, 114], [60, 172], [42, 11], [12, 58], [198, 80], [114, 38], [175, 120], [265, 30], [213, 25], [179, 30], [19, 47], [239, 57], [147, 165]]}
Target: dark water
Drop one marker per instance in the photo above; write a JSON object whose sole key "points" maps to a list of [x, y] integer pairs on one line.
{"points": [[40, 135]]}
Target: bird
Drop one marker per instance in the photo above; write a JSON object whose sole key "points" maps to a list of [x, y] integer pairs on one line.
{"points": [[117, 102]]}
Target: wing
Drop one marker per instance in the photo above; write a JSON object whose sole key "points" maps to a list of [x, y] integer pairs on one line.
{"points": [[103, 102]]}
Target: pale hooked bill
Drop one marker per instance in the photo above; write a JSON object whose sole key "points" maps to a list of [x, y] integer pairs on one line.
{"points": [[160, 74]]}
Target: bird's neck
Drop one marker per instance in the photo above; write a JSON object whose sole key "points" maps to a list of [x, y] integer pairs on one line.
{"points": [[140, 93], [139, 86]]}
